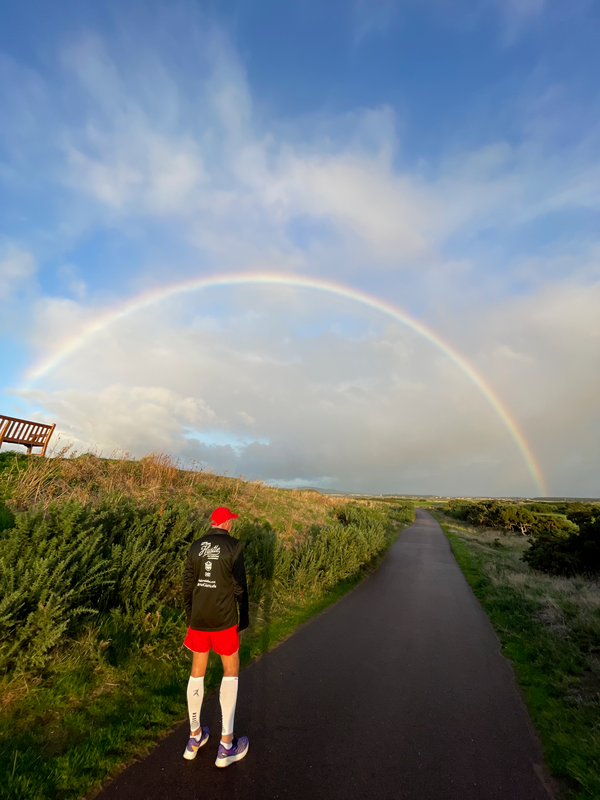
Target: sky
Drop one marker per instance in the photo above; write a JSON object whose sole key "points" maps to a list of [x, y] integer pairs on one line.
{"points": [[407, 195]]}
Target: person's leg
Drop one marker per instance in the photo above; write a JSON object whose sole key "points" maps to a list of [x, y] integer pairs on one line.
{"points": [[231, 749], [199, 663], [231, 665], [228, 694], [195, 691]]}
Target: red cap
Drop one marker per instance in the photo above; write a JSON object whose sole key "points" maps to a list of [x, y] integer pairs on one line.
{"points": [[221, 515]]}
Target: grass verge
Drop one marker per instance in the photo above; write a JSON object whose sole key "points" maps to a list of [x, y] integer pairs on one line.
{"points": [[72, 727], [550, 630]]}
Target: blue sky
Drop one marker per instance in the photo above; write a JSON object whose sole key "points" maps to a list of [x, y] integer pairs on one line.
{"points": [[442, 156]]}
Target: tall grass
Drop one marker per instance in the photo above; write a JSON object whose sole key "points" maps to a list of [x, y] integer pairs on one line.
{"points": [[37, 482], [27, 483]]}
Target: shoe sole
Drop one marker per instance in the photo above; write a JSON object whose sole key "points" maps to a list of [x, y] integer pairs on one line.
{"points": [[225, 762], [195, 753]]}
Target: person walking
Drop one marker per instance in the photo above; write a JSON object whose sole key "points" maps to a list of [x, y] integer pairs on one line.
{"points": [[214, 587]]}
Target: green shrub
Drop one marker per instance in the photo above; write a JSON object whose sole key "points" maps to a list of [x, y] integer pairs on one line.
{"points": [[565, 536], [567, 546], [61, 568], [562, 507], [120, 565], [494, 514], [9, 458], [7, 518]]}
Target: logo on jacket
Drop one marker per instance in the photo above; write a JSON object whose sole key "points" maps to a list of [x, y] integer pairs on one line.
{"points": [[206, 551], [208, 569]]}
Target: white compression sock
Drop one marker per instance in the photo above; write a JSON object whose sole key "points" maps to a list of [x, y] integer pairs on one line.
{"points": [[228, 698], [195, 695]]}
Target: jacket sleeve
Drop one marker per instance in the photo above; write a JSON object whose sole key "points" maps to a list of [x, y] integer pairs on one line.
{"points": [[188, 585], [240, 587]]}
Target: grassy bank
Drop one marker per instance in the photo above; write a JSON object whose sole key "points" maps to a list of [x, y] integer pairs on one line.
{"points": [[27, 483], [92, 670], [550, 630]]}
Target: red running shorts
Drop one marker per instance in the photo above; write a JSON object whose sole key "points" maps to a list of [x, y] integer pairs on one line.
{"points": [[224, 643]]}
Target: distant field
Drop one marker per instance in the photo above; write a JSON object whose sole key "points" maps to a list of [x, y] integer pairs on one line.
{"points": [[550, 630], [92, 668]]}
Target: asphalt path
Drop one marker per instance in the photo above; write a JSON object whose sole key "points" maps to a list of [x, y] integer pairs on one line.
{"points": [[398, 691]]}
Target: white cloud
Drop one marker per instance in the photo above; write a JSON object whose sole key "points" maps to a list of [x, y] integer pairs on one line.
{"points": [[517, 14], [144, 172], [503, 351], [552, 377], [514, 16], [112, 184], [137, 419], [70, 276], [239, 187], [17, 269], [55, 321], [285, 387], [372, 15], [390, 213], [380, 410]]}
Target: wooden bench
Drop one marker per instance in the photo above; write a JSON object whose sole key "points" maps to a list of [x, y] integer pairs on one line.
{"points": [[23, 431]]}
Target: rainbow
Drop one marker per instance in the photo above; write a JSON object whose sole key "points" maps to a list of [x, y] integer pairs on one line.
{"points": [[152, 297]]}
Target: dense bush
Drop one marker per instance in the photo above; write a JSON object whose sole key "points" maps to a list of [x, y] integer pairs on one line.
{"points": [[565, 537], [61, 568], [7, 519], [494, 514], [560, 507], [116, 565], [568, 553]]}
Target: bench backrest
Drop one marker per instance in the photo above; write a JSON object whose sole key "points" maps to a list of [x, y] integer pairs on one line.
{"points": [[23, 431]]}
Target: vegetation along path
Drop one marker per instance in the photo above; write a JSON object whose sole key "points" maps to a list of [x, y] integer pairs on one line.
{"points": [[397, 691]]}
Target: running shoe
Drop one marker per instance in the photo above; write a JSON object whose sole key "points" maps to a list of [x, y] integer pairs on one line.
{"points": [[236, 752], [195, 744]]}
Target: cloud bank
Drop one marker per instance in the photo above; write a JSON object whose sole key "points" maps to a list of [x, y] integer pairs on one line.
{"points": [[156, 178]]}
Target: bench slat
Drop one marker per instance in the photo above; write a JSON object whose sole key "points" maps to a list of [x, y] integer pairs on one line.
{"points": [[25, 432]]}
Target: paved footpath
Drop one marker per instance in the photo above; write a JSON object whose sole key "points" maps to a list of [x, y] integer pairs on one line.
{"points": [[398, 691]]}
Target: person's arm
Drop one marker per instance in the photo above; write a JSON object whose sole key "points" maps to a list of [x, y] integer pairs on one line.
{"points": [[188, 586], [240, 588]]}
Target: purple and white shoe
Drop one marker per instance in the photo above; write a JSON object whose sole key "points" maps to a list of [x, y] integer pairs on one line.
{"points": [[236, 752], [195, 744]]}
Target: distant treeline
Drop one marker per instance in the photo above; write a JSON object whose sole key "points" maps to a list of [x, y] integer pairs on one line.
{"points": [[565, 536]]}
